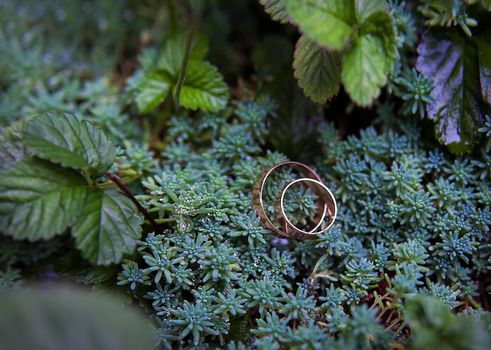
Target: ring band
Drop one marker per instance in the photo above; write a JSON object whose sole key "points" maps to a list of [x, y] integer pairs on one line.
{"points": [[328, 199], [258, 191]]}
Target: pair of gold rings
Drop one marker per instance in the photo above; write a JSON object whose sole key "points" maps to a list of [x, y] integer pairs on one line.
{"points": [[326, 207]]}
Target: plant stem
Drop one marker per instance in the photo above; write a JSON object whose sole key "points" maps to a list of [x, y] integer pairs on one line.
{"points": [[185, 60], [114, 178]]}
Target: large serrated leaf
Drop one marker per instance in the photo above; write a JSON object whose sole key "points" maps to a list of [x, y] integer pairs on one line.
{"points": [[317, 70], [329, 22], [276, 9], [107, 228], [203, 88], [39, 199], [63, 138], [364, 69], [60, 318], [452, 63]]}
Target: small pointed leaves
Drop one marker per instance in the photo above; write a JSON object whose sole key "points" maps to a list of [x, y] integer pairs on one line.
{"points": [[64, 139]]}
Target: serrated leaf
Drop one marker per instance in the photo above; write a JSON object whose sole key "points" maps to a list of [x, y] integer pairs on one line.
{"points": [[366, 8], [329, 22], [39, 199], [484, 52], [152, 91], [107, 227], [203, 88], [10, 153], [276, 10], [62, 318], [317, 70], [452, 63], [364, 69], [380, 24], [63, 138]]}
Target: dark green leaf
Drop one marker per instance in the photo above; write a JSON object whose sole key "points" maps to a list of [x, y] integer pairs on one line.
{"points": [[452, 62], [317, 70], [107, 227], [204, 88], [60, 318], [63, 138], [276, 9], [39, 199]]}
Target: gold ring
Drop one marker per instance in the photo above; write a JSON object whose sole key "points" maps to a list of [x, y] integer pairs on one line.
{"points": [[328, 199], [258, 203]]}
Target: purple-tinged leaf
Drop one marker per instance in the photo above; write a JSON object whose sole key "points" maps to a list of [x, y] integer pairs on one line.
{"points": [[452, 63]]}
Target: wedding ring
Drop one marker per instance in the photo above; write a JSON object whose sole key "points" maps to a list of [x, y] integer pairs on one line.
{"points": [[258, 201], [327, 198]]}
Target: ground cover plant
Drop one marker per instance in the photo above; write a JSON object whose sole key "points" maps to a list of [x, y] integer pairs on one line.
{"points": [[131, 141]]}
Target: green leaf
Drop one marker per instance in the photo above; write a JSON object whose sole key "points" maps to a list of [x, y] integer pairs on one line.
{"points": [[107, 228], [381, 25], [317, 70], [453, 63], [63, 138], [203, 88], [10, 153], [172, 54], [152, 91], [59, 318], [39, 199], [72, 266], [329, 22], [366, 8], [364, 69], [276, 10]]}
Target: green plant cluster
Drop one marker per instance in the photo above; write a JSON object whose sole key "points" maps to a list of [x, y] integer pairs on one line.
{"points": [[132, 139]]}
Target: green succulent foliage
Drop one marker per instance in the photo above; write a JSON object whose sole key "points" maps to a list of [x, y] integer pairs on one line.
{"points": [[203, 86], [427, 318], [40, 198], [364, 34]]}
